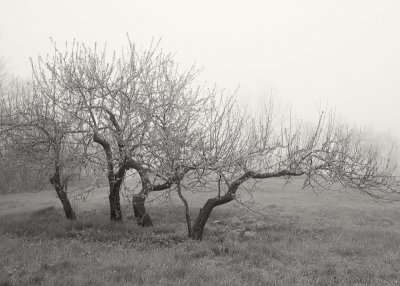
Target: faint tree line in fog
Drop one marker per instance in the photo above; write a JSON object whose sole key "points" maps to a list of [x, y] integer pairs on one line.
{"points": [[139, 112]]}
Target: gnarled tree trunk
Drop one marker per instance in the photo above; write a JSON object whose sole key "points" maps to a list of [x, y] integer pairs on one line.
{"points": [[62, 195], [204, 214], [139, 210]]}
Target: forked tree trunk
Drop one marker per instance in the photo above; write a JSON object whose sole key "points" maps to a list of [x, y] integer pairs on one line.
{"points": [[114, 179], [62, 195], [139, 210], [204, 214]]}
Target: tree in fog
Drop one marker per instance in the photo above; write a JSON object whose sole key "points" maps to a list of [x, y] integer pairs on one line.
{"points": [[16, 173], [193, 141], [121, 101], [148, 116], [235, 148], [40, 135]]}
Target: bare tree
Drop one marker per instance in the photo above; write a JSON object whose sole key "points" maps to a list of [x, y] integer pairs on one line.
{"points": [[193, 141], [42, 136], [119, 100], [17, 174], [235, 148], [148, 116]]}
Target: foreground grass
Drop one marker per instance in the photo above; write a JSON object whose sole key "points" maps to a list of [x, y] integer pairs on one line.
{"points": [[319, 246]]}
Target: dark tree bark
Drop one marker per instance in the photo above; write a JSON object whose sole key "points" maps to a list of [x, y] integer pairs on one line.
{"points": [[139, 210], [115, 205], [62, 195], [204, 214], [138, 200], [114, 196]]}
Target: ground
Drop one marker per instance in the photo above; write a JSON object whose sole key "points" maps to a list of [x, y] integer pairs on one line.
{"points": [[294, 238]]}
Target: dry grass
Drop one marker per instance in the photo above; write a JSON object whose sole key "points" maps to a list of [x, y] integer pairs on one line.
{"points": [[330, 239]]}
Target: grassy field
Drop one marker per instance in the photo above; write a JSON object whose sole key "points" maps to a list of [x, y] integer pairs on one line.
{"points": [[296, 238]]}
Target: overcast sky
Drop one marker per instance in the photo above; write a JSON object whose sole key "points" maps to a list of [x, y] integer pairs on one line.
{"points": [[307, 54]]}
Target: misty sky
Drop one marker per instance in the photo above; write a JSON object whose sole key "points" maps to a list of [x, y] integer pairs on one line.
{"points": [[307, 54]]}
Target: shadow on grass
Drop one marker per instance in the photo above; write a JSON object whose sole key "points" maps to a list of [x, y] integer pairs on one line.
{"points": [[170, 228], [50, 223]]}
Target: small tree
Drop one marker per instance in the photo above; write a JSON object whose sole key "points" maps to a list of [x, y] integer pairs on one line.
{"points": [[15, 175], [37, 133], [195, 142]]}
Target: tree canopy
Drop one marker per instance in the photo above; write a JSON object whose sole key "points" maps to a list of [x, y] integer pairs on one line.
{"points": [[139, 111]]}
